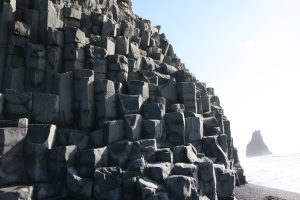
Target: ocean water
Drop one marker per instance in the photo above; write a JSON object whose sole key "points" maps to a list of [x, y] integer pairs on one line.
{"points": [[281, 171]]}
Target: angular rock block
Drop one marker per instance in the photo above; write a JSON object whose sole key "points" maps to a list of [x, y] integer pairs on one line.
{"points": [[175, 127], [185, 76], [108, 29], [83, 96], [48, 19], [146, 63], [145, 38], [225, 182], [95, 52], [191, 153], [17, 192], [89, 160], [222, 141], [155, 99], [212, 148], [60, 159], [152, 89], [96, 138], [78, 187], [154, 111], [152, 129], [133, 127], [109, 44], [165, 155], [176, 108], [149, 189], [207, 178], [72, 13], [168, 91], [39, 141], [17, 104], [122, 45], [127, 28], [17, 45], [74, 35], [136, 161], [181, 187], [42, 134], [164, 45], [187, 96], [199, 103], [159, 171], [48, 190], [205, 100], [55, 37], [44, 109], [19, 28], [11, 155], [130, 104], [105, 102], [148, 148], [35, 68], [71, 65], [54, 63], [117, 68], [227, 130], [107, 184], [119, 152], [79, 138], [219, 113], [179, 154], [194, 132], [8, 10], [113, 131], [186, 169], [158, 56], [129, 188], [99, 66], [210, 91], [20, 123], [215, 100], [138, 87], [208, 124], [118, 88], [63, 87], [14, 72], [167, 69], [73, 52]]}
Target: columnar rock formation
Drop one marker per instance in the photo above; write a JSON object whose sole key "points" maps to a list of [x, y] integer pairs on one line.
{"points": [[257, 146], [95, 104]]}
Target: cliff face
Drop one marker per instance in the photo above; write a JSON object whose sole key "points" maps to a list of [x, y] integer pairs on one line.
{"points": [[95, 104], [257, 147]]}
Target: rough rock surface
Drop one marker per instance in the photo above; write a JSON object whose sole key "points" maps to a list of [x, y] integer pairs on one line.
{"points": [[95, 104], [257, 147]]}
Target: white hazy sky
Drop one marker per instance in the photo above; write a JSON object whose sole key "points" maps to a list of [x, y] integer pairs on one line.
{"points": [[249, 52]]}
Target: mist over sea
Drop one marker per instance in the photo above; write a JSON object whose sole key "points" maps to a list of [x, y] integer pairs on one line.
{"points": [[281, 171]]}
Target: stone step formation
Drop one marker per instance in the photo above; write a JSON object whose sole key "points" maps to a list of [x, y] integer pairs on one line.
{"points": [[95, 104]]}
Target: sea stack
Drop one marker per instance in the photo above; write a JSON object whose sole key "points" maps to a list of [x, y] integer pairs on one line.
{"points": [[257, 147]]}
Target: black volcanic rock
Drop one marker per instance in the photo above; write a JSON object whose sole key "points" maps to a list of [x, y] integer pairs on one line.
{"points": [[257, 147]]}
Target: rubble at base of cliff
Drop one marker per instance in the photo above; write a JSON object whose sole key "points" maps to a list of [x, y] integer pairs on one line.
{"points": [[95, 104]]}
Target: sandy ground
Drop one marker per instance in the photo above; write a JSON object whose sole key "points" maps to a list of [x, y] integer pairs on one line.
{"points": [[256, 192]]}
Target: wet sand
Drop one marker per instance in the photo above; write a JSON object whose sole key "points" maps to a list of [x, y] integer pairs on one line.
{"points": [[257, 192]]}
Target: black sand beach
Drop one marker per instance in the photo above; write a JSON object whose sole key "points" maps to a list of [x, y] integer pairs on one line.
{"points": [[256, 192]]}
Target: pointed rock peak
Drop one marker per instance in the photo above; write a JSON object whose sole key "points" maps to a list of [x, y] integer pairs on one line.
{"points": [[257, 147]]}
